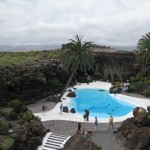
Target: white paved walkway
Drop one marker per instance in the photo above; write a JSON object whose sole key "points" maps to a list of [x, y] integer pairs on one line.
{"points": [[54, 113]]}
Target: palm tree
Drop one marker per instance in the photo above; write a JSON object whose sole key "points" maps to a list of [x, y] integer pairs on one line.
{"points": [[77, 56], [143, 52], [118, 71]]}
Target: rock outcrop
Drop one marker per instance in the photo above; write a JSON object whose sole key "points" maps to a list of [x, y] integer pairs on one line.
{"points": [[28, 82], [78, 142], [136, 130], [71, 94], [72, 110], [32, 81], [30, 135]]}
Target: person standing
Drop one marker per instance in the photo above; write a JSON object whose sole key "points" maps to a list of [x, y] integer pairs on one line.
{"points": [[46, 105], [43, 108], [111, 120], [61, 108], [95, 124], [87, 116], [78, 129]]}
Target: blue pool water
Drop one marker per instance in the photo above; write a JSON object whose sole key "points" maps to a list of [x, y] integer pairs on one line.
{"points": [[99, 103]]}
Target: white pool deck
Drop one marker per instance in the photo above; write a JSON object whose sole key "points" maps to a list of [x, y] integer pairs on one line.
{"points": [[54, 113]]}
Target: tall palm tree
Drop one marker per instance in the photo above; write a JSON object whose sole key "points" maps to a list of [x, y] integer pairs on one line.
{"points": [[77, 56], [143, 53]]}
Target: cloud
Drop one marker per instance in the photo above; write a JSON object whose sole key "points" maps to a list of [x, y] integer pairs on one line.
{"points": [[114, 22]]}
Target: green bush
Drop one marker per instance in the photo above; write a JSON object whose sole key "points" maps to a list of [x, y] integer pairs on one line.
{"points": [[147, 82], [12, 115], [95, 147], [16, 105], [6, 111], [117, 84], [146, 92], [4, 127], [13, 135], [132, 87], [26, 116], [7, 144], [55, 84]]}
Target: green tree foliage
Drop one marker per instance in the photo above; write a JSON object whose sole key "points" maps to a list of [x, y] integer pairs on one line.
{"points": [[55, 84], [4, 127], [143, 52], [13, 58], [27, 116], [16, 105], [77, 56], [111, 70], [7, 144]]}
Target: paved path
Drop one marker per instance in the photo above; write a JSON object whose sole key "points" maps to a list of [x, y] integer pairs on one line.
{"points": [[103, 136], [105, 139]]}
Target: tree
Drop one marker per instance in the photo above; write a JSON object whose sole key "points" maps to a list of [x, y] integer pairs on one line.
{"points": [[77, 56], [143, 52]]}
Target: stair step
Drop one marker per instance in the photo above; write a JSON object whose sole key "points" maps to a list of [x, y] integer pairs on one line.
{"points": [[59, 135], [50, 149], [51, 146], [58, 142], [51, 143], [55, 139]]}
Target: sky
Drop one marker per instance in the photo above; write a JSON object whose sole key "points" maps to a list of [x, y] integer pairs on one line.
{"points": [[46, 22]]}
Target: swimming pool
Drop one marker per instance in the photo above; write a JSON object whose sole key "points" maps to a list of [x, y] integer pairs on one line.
{"points": [[99, 103]]}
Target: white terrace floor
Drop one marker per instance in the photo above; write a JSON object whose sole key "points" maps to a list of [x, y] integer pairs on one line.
{"points": [[54, 113]]}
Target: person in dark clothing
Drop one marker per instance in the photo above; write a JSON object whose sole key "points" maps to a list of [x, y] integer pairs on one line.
{"points": [[87, 114], [79, 129]]}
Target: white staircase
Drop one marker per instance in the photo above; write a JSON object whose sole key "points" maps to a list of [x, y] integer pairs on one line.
{"points": [[53, 141]]}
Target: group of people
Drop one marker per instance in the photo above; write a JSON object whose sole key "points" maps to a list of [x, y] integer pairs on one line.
{"points": [[86, 117], [44, 107]]}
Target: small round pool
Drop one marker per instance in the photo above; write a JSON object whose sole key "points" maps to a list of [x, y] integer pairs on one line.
{"points": [[99, 103]]}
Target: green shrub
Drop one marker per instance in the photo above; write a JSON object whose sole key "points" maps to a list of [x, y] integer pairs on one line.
{"points": [[13, 135], [132, 87], [146, 92], [7, 144], [4, 127], [147, 82], [95, 147], [16, 105], [117, 84], [26, 116], [6, 111], [37, 118], [55, 84], [12, 115]]}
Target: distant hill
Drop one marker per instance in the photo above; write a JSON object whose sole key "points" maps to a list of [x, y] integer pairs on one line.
{"points": [[10, 48]]}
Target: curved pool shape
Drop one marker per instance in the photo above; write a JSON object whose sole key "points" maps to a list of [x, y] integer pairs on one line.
{"points": [[99, 103]]}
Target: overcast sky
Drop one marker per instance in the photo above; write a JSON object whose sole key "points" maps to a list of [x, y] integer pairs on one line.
{"points": [[110, 22]]}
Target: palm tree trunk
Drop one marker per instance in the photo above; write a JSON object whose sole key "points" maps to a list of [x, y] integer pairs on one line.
{"points": [[68, 82], [70, 78]]}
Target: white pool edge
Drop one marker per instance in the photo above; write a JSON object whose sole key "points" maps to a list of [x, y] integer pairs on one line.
{"points": [[54, 113]]}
